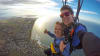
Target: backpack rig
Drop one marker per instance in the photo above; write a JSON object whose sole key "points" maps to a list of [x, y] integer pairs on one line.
{"points": [[69, 32]]}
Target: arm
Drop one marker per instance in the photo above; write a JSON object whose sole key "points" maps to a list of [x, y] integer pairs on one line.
{"points": [[81, 30], [90, 43], [76, 39], [49, 33]]}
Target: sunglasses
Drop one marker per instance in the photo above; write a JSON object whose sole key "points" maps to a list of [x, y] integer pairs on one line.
{"points": [[64, 14]]}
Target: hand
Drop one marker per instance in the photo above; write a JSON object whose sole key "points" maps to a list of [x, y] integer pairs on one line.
{"points": [[62, 46], [45, 31]]}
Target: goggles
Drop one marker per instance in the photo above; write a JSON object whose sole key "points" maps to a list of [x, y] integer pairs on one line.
{"points": [[64, 14]]}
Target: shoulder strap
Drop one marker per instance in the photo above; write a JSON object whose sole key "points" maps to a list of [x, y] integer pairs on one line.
{"points": [[80, 45], [78, 24]]}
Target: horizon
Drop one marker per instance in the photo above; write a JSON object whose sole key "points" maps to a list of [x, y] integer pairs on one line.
{"points": [[49, 8]]}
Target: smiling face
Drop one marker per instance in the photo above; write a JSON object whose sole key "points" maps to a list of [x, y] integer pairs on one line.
{"points": [[58, 30], [67, 17]]}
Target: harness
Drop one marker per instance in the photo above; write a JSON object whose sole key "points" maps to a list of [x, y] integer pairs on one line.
{"points": [[54, 53], [69, 33], [52, 48]]}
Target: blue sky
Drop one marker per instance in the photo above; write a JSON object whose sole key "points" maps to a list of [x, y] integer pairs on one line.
{"points": [[90, 9], [48, 9]]}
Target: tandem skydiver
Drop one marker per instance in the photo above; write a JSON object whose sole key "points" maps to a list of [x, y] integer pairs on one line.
{"points": [[58, 37], [71, 29]]}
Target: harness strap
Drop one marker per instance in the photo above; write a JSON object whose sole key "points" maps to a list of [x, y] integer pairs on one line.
{"points": [[52, 48]]}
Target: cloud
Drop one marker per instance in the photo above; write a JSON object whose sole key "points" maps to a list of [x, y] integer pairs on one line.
{"points": [[90, 19], [6, 2], [68, 0], [85, 11], [10, 2], [89, 12], [98, 0], [46, 3], [32, 7]]}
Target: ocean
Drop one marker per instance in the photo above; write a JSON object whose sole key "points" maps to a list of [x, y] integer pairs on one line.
{"points": [[45, 40], [92, 27]]}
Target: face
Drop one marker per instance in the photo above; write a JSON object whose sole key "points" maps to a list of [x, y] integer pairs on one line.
{"points": [[67, 17], [58, 30]]}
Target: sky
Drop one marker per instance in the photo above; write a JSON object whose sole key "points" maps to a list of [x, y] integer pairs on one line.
{"points": [[47, 10]]}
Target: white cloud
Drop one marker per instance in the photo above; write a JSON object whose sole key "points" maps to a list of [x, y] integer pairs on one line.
{"points": [[9, 2], [37, 9], [85, 11], [87, 18], [89, 12], [90, 19], [46, 8], [98, 0], [68, 0]]}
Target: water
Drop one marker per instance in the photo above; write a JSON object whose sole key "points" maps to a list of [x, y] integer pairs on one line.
{"points": [[92, 27], [45, 40]]}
